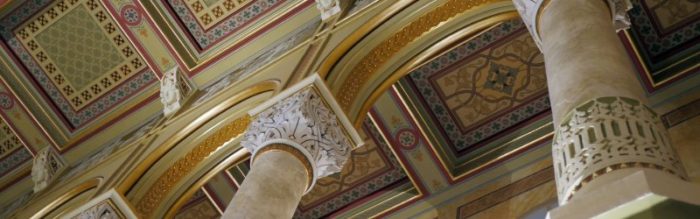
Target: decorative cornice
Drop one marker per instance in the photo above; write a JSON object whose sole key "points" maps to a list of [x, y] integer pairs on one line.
{"points": [[307, 118], [183, 166], [380, 54], [607, 134]]}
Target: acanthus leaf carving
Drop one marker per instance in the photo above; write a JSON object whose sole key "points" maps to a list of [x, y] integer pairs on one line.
{"points": [[305, 121]]}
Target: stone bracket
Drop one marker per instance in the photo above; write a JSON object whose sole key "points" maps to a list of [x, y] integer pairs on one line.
{"points": [[47, 166], [175, 90]]}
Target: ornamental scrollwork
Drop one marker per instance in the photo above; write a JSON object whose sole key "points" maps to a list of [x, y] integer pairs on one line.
{"points": [[305, 120]]}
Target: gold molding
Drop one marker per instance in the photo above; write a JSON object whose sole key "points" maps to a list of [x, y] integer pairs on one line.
{"points": [[239, 156], [167, 180], [137, 171], [380, 54], [72, 193]]}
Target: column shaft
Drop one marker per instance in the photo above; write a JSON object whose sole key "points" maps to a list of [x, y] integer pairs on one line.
{"points": [[583, 56], [604, 129], [273, 187]]}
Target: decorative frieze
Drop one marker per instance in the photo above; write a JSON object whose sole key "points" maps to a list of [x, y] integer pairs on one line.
{"points": [[607, 134], [307, 118], [175, 90], [47, 166]]}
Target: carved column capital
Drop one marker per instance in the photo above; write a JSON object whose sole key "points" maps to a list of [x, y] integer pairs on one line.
{"points": [[530, 11], [307, 118], [175, 89], [47, 166], [328, 8]]}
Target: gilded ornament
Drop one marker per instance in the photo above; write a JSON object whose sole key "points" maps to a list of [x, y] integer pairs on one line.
{"points": [[165, 183]]}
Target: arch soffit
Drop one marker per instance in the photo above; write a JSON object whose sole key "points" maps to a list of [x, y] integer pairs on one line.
{"points": [[178, 149]]}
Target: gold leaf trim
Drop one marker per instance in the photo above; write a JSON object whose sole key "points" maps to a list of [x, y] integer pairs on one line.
{"points": [[165, 183]]}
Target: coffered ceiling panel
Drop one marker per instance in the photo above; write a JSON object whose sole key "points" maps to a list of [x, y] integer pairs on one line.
{"points": [[75, 56], [480, 91]]}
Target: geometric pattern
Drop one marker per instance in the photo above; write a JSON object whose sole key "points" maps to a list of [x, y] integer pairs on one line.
{"points": [[9, 141], [12, 150], [666, 39], [209, 22], [209, 12], [481, 89], [80, 49], [95, 84]]}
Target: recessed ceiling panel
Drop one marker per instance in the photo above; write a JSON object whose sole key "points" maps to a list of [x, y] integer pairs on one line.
{"points": [[76, 56]]}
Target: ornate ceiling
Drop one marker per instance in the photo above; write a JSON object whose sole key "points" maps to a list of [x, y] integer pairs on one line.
{"points": [[663, 40], [74, 68]]}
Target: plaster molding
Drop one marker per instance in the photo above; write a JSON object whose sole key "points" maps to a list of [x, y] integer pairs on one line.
{"points": [[47, 166], [607, 134], [306, 117]]}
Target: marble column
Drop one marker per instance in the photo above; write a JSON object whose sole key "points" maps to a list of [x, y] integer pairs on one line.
{"points": [[604, 130], [296, 138]]}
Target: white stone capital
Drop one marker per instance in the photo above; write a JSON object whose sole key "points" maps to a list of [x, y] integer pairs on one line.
{"points": [[47, 166], [306, 117], [175, 89], [328, 8]]}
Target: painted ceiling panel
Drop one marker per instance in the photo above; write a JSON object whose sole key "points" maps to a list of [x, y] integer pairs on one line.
{"points": [[480, 91], [76, 56]]}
